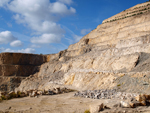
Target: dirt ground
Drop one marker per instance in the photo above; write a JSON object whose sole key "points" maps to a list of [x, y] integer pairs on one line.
{"points": [[63, 103]]}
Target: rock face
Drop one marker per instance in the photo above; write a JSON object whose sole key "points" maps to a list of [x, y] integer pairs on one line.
{"points": [[14, 67], [114, 55]]}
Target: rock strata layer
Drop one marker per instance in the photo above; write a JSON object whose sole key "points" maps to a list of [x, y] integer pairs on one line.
{"points": [[114, 55], [14, 67]]}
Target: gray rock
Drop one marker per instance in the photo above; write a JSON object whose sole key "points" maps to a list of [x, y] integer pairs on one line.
{"points": [[105, 94], [50, 92]]}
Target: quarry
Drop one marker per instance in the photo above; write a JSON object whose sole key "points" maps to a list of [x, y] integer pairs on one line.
{"points": [[107, 71]]}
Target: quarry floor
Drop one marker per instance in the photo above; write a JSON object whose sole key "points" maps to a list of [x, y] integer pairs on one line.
{"points": [[62, 103]]}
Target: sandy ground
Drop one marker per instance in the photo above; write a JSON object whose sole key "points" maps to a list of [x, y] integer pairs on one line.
{"points": [[63, 103]]}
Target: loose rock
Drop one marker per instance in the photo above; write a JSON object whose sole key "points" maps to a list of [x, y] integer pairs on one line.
{"points": [[96, 108]]}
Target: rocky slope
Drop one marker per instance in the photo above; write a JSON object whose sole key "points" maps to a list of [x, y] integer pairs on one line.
{"points": [[14, 67], [114, 55]]}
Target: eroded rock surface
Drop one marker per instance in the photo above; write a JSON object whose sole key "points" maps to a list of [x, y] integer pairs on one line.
{"points": [[14, 67], [115, 55]]}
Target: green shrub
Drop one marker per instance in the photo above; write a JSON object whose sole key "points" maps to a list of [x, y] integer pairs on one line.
{"points": [[87, 111], [3, 97], [133, 14], [18, 93], [119, 85], [13, 95], [141, 12]]}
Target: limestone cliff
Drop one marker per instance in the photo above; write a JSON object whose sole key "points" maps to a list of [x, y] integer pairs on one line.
{"points": [[16, 66], [114, 55]]}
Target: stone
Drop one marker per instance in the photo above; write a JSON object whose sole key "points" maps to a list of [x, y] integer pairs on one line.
{"points": [[50, 92], [96, 108], [58, 90], [33, 93], [105, 94], [134, 104], [39, 92], [117, 105], [147, 98], [29, 92], [125, 104], [142, 99], [22, 94]]}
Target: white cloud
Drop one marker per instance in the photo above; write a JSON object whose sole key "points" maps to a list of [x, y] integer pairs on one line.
{"points": [[41, 15], [3, 2], [6, 50], [6, 37], [46, 38], [16, 43], [77, 38], [47, 27], [66, 1], [60, 8], [27, 50], [85, 31]]}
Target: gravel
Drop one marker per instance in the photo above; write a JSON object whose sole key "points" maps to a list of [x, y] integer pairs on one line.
{"points": [[105, 94]]}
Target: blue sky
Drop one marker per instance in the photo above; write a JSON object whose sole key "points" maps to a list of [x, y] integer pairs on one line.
{"points": [[49, 26]]}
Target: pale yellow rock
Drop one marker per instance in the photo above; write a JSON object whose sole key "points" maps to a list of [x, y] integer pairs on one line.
{"points": [[125, 104], [65, 67], [88, 63], [143, 98], [89, 80], [127, 62], [116, 63], [99, 60], [70, 79], [96, 108], [57, 90]]}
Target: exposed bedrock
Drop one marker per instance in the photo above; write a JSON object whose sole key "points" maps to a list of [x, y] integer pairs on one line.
{"points": [[14, 67], [114, 55]]}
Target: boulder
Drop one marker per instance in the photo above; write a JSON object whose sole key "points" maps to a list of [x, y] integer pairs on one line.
{"points": [[125, 104], [134, 103], [33, 93], [143, 99], [96, 108], [50, 92], [39, 92], [57, 90], [23, 94]]}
